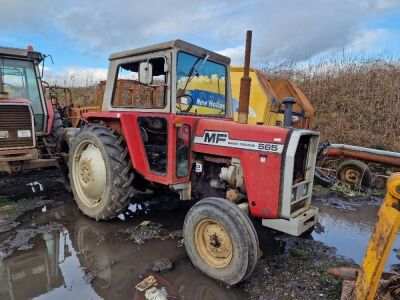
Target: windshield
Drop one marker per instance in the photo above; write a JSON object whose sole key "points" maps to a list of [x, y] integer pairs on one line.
{"points": [[201, 86], [18, 79]]}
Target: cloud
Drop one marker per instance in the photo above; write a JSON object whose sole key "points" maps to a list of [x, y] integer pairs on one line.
{"points": [[75, 76], [368, 39], [31, 16], [285, 29], [236, 54]]}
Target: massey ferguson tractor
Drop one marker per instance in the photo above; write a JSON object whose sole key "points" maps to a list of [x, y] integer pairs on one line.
{"points": [[29, 125], [172, 127]]}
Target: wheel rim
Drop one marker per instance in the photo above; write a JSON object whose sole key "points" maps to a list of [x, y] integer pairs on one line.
{"points": [[213, 243], [89, 173], [351, 176]]}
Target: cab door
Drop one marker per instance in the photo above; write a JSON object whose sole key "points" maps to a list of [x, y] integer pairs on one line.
{"points": [[182, 158]]}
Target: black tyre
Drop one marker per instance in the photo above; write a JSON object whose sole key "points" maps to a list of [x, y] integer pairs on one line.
{"points": [[221, 240], [323, 178], [100, 172], [56, 128], [355, 173]]}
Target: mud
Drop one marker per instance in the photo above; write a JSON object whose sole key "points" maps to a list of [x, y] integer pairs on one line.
{"points": [[141, 233], [298, 272], [10, 211], [162, 265], [23, 238], [344, 199], [51, 251]]}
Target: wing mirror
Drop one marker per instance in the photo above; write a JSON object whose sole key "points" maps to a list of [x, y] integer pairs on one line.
{"points": [[146, 73]]}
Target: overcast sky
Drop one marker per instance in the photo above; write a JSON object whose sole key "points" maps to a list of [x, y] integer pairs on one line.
{"points": [[80, 35]]}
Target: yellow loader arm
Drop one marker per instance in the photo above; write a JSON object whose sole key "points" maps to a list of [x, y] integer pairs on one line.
{"points": [[381, 242]]}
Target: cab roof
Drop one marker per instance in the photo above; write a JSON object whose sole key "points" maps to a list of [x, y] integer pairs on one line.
{"points": [[21, 53], [179, 44]]}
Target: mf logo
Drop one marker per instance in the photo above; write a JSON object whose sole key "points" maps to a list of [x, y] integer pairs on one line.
{"points": [[215, 137]]}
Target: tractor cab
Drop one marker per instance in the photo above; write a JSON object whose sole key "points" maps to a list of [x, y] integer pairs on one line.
{"points": [[167, 87], [20, 79], [172, 77]]}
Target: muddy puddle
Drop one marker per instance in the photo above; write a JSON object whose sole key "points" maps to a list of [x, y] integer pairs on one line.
{"points": [[51, 251], [349, 228], [56, 253]]}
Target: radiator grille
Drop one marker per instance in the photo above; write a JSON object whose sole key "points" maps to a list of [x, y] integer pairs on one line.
{"points": [[12, 119]]}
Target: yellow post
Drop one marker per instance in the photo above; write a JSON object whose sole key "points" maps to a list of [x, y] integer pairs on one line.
{"points": [[382, 238]]}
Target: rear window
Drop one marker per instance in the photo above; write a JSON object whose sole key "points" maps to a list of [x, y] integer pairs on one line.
{"points": [[129, 92]]}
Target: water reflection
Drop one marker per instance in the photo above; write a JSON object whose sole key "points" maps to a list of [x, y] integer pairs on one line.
{"points": [[39, 269], [94, 260], [350, 231]]}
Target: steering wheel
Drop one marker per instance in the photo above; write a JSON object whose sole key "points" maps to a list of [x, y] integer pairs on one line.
{"points": [[190, 105]]}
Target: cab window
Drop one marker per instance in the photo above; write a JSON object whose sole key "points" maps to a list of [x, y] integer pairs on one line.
{"points": [[129, 92], [18, 78], [201, 85]]}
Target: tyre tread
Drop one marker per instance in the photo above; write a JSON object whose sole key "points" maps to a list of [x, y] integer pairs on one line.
{"points": [[122, 174]]}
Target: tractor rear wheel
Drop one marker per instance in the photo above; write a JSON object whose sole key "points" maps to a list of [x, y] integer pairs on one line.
{"points": [[100, 172], [221, 240], [56, 128]]}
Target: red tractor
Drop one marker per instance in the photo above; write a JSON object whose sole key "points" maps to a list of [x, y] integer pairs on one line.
{"points": [[30, 127], [173, 128]]}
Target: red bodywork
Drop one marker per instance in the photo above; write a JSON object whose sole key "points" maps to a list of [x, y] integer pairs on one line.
{"points": [[261, 169]]}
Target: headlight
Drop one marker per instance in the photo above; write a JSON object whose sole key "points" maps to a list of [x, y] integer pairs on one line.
{"points": [[24, 133], [4, 134]]}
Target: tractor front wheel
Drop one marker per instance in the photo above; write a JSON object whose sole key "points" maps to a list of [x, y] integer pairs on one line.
{"points": [[221, 240], [100, 172]]}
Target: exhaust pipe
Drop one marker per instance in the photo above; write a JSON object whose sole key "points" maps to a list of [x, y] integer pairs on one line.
{"points": [[287, 115], [245, 83]]}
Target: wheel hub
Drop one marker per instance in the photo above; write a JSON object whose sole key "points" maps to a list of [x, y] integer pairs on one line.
{"points": [[86, 172], [213, 243], [352, 176], [90, 173]]}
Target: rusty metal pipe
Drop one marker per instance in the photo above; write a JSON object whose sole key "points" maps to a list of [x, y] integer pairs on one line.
{"points": [[245, 83], [371, 155]]}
